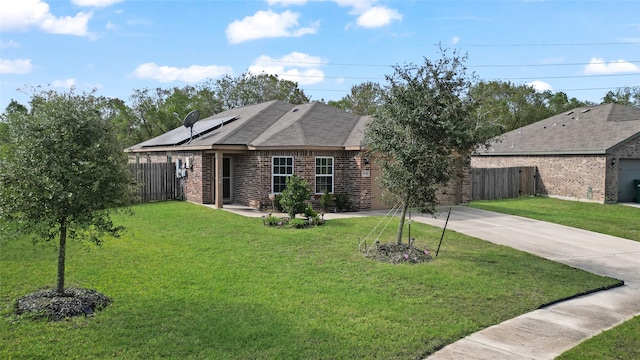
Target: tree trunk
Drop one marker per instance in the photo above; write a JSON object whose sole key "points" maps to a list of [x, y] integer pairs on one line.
{"points": [[61, 256], [405, 206]]}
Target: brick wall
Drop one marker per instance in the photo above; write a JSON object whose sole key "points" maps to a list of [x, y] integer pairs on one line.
{"points": [[252, 176], [580, 177], [458, 190]]}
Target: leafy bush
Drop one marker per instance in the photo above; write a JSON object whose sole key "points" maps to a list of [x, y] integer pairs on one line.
{"points": [[342, 201], [294, 196], [273, 221], [316, 221], [298, 223], [326, 200], [276, 203], [309, 212]]}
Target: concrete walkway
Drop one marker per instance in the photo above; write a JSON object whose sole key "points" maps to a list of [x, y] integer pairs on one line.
{"points": [[548, 332]]}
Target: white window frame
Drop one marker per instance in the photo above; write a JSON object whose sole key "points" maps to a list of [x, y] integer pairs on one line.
{"points": [[331, 175], [274, 175]]}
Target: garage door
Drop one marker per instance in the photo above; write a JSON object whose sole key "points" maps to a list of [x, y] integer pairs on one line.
{"points": [[628, 170]]}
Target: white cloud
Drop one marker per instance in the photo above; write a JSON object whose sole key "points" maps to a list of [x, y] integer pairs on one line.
{"points": [[68, 25], [16, 66], [95, 3], [193, 73], [599, 66], [111, 26], [9, 44], [358, 6], [369, 14], [267, 24], [378, 16], [286, 2], [540, 85], [298, 67], [68, 83], [455, 40], [21, 15]]}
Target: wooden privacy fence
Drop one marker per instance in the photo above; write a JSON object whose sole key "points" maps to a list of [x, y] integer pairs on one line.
{"points": [[156, 182], [502, 183]]}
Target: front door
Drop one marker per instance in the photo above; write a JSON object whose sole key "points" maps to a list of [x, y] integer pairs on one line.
{"points": [[376, 189], [227, 177]]}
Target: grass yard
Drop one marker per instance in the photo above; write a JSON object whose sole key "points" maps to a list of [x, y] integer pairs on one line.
{"points": [[612, 219], [192, 282], [621, 342]]}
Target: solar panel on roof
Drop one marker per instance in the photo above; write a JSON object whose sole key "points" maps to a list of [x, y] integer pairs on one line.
{"points": [[181, 135]]}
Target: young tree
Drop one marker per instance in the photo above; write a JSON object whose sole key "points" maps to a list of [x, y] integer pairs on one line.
{"points": [[422, 125], [63, 172]]}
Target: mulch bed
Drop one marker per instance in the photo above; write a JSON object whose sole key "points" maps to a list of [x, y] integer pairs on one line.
{"points": [[49, 304], [398, 253]]}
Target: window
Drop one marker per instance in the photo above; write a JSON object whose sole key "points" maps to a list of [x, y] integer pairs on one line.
{"points": [[282, 167], [324, 175]]}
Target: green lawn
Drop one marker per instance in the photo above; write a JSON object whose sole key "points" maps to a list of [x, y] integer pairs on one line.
{"points": [[621, 342], [612, 219], [193, 282]]}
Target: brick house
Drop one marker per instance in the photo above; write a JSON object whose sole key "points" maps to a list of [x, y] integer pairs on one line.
{"points": [[589, 153], [251, 150]]}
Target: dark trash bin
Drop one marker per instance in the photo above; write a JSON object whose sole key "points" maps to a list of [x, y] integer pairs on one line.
{"points": [[636, 185]]}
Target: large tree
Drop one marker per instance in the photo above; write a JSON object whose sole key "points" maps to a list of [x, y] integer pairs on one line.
{"points": [[628, 96], [249, 89], [63, 172], [364, 99], [512, 106], [423, 126]]}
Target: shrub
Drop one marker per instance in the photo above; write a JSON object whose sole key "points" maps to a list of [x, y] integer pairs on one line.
{"points": [[298, 223], [309, 212], [295, 195], [274, 221], [316, 221], [326, 200], [342, 201], [277, 204]]}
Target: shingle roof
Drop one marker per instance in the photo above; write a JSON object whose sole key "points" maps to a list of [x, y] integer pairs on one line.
{"points": [[584, 130], [273, 124]]}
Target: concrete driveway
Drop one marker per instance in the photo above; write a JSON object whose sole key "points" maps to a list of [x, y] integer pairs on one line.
{"points": [[548, 332]]}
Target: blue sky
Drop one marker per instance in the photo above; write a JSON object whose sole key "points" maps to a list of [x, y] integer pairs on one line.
{"points": [[583, 48]]}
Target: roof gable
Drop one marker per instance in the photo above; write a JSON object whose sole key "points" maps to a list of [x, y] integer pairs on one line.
{"points": [[584, 130]]}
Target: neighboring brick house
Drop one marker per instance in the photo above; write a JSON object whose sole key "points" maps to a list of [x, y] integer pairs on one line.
{"points": [[260, 145], [589, 153]]}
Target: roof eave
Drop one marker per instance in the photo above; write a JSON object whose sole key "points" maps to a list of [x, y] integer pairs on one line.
{"points": [[297, 147], [542, 153], [186, 148]]}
